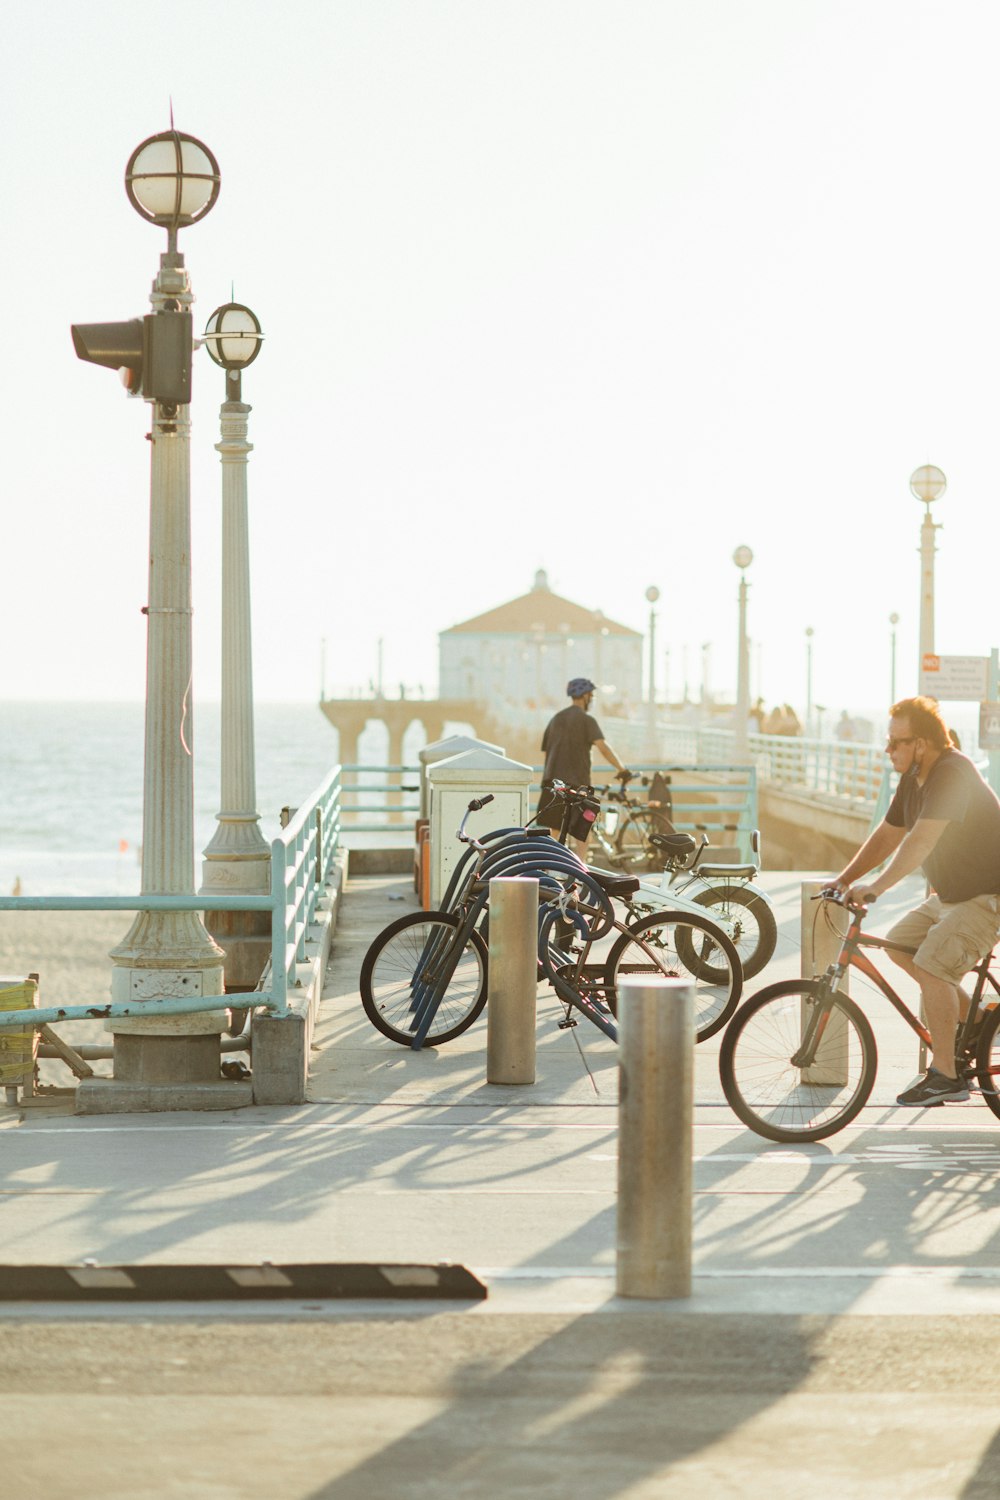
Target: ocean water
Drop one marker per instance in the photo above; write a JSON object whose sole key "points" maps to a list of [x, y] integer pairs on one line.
{"points": [[71, 788]]}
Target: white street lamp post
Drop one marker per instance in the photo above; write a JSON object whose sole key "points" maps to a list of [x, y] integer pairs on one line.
{"points": [[809, 679], [652, 594], [171, 180], [928, 484], [743, 557], [237, 858], [893, 621]]}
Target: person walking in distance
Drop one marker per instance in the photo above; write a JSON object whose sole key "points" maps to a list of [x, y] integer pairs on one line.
{"points": [[569, 737], [946, 820]]}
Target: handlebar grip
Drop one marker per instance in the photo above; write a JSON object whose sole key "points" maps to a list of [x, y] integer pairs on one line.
{"points": [[480, 802]]}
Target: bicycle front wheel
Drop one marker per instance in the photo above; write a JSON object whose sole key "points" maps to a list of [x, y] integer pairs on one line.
{"points": [[749, 924], [762, 1071], [663, 943], [416, 963]]}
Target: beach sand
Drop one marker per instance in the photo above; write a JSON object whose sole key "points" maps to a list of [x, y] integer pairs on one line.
{"points": [[69, 953]]}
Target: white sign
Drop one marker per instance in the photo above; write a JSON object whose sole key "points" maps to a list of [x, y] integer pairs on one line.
{"points": [[954, 679]]}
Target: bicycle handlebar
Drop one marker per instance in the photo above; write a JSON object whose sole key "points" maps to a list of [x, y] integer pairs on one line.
{"points": [[839, 898], [474, 806]]}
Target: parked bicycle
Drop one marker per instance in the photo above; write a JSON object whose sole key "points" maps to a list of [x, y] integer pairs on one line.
{"points": [[798, 1061], [424, 979], [676, 876]]}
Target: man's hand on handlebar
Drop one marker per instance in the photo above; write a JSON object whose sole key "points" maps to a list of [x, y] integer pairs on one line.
{"points": [[849, 895], [624, 775]]}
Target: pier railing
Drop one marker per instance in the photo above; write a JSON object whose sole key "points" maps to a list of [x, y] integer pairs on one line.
{"points": [[301, 865]]}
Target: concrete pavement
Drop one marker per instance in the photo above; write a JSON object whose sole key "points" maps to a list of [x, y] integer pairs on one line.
{"points": [[838, 1342]]}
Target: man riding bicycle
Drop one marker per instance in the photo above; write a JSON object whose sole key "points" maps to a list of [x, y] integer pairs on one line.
{"points": [[944, 819], [567, 741]]}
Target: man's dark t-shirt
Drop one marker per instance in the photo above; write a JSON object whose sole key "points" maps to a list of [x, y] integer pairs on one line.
{"points": [[965, 861], [566, 742]]}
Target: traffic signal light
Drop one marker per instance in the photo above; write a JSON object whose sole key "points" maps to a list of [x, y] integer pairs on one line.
{"points": [[152, 354]]}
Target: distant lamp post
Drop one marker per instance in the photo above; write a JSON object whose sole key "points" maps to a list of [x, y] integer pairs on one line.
{"points": [[237, 858], [809, 678], [743, 557], [927, 484], [172, 180], [652, 595], [893, 622]]}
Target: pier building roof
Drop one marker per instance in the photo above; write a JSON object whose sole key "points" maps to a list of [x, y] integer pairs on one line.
{"points": [[541, 609]]}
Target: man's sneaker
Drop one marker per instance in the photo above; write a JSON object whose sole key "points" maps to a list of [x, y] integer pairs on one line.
{"points": [[935, 1088]]}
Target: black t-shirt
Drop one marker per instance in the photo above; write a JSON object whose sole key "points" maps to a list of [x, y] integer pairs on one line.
{"points": [[566, 742], [965, 861]]}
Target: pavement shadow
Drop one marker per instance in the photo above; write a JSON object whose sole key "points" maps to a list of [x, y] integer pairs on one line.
{"points": [[586, 1406], [909, 1198], [983, 1484], [169, 1195]]}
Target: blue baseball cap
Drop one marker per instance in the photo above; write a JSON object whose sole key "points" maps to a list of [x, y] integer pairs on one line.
{"points": [[579, 687]]}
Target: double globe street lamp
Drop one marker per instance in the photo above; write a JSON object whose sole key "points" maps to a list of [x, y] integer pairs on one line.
{"points": [[172, 180]]}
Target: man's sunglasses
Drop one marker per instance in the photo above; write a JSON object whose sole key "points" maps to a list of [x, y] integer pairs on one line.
{"points": [[892, 744]]}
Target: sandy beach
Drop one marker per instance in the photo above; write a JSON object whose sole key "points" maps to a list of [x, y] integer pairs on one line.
{"points": [[69, 953]]}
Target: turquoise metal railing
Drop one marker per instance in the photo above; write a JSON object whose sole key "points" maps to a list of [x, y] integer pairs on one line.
{"points": [[301, 860], [840, 768], [379, 799]]}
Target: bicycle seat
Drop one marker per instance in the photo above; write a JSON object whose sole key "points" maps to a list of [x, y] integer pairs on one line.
{"points": [[728, 872], [614, 885], [673, 843]]}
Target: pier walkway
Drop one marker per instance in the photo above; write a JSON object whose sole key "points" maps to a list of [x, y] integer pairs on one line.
{"points": [[840, 1340]]}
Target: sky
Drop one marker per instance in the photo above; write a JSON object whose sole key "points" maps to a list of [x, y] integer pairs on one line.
{"points": [[608, 289]]}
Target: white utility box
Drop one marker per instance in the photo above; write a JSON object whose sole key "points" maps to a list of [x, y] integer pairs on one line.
{"points": [[452, 744], [452, 784]]}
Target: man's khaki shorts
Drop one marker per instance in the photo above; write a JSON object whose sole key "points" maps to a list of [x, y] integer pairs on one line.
{"points": [[950, 938]]}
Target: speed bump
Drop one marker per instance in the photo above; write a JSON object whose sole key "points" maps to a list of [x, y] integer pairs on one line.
{"points": [[91, 1282]]}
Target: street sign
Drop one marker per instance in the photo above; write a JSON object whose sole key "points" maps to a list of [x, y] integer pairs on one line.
{"points": [[954, 679], [989, 726]]}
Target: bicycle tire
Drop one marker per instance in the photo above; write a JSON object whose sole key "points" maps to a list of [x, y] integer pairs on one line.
{"points": [[766, 1090], [715, 1000], [988, 1059], [391, 976], [754, 935], [632, 845]]}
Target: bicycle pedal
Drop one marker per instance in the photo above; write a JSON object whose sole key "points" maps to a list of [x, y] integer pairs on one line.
{"points": [[569, 1021]]}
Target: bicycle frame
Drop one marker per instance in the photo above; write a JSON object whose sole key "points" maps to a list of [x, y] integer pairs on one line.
{"points": [[851, 956]]}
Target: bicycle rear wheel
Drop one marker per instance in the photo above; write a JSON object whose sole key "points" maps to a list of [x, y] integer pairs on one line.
{"points": [[988, 1059], [414, 962], [632, 845], [762, 1075], [749, 923], [673, 937]]}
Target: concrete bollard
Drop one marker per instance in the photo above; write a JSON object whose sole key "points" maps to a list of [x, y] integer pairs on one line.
{"points": [[820, 945], [655, 1131], [513, 981]]}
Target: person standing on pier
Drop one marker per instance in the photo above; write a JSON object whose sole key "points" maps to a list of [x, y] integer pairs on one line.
{"points": [[946, 820], [567, 742]]}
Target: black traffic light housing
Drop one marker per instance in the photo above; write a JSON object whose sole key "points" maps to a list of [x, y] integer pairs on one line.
{"points": [[153, 353]]}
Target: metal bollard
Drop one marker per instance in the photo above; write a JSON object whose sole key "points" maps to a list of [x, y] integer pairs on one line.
{"points": [[820, 946], [513, 981], [655, 1130]]}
